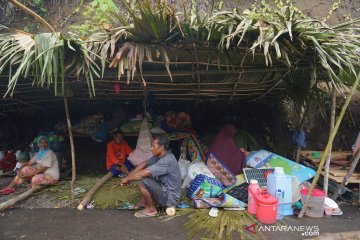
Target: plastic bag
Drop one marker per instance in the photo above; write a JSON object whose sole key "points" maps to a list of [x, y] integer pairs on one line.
{"points": [[196, 168], [184, 166]]}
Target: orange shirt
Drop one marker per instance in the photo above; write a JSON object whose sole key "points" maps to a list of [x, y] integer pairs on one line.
{"points": [[116, 153]]}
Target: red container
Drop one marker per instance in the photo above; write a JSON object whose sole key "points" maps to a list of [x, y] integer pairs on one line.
{"points": [[266, 209], [117, 88], [253, 189]]}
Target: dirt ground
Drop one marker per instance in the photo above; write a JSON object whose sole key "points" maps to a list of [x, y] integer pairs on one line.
{"points": [[22, 223], [37, 218]]}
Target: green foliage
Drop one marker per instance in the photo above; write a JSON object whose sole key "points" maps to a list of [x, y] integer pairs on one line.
{"points": [[97, 13], [39, 6]]}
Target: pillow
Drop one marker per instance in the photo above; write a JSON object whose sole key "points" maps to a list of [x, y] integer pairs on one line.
{"points": [[220, 171]]}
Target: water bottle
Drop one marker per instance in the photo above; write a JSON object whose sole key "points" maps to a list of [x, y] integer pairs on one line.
{"points": [[280, 197]]}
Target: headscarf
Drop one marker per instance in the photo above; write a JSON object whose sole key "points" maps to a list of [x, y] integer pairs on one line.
{"points": [[42, 152]]}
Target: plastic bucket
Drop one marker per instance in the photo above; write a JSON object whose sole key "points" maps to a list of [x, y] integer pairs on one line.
{"points": [[266, 208], [316, 202]]}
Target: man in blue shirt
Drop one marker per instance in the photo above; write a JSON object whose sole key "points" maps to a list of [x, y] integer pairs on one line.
{"points": [[160, 179]]}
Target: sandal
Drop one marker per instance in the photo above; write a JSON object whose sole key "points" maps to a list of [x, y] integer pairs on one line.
{"points": [[7, 191]]}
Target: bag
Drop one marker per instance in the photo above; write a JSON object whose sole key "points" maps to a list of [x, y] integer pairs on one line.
{"points": [[204, 186], [240, 192], [101, 133], [220, 171], [196, 168], [223, 200], [184, 166]]}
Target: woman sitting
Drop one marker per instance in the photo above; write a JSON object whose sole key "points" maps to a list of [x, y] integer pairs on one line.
{"points": [[42, 169]]}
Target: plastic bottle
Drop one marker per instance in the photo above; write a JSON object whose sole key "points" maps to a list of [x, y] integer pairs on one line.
{"points": [[253, 189], [280, 197], [279, 180]]}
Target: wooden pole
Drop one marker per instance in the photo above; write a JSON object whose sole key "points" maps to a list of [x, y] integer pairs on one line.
{"points": [[73, 165], [20, 197], [91, 192], [332, 123], [331, 139], [355, 160]]}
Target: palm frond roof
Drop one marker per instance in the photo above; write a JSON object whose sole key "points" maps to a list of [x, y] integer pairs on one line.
{"points": [[225, 56]]}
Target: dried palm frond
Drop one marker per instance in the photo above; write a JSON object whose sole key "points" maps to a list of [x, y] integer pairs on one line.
{"points": [[292, 38], [284, 37], [108, 196], [47, 57], [225, 226], [111, 195]]}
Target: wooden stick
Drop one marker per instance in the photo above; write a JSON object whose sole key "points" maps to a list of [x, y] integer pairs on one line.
{"points": [[92, 190], [355, 160], [331, 139], [20, 197], [269, 90], [332, 123], [73, 165]]}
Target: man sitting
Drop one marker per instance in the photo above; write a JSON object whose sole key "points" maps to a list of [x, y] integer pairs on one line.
{"points": [[117, 152], [160, 179]]}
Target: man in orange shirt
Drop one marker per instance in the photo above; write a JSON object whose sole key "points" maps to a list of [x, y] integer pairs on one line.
{"points": [[117, 152]]}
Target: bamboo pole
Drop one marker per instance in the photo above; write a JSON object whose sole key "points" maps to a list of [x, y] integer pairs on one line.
{"points": [[47, 25], [355, 160], [92, 190], [331, 139], [332, 123], [20, 197], [73, 165]]}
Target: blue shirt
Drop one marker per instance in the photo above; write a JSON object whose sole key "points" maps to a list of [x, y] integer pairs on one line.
{"points": [[166, 171]]}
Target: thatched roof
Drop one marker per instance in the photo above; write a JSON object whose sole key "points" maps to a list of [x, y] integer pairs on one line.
{"points": [[226, 56]]}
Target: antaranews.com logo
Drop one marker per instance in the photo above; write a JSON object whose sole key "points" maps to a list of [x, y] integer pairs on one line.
{"points": [[306, 231]]}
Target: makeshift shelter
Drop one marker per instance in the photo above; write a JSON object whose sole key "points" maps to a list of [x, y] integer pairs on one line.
{"points": [[223, 57]]}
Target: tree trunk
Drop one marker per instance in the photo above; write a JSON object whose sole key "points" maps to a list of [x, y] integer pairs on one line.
{"points": [[92, 190], [20, 197], [73, 165], [332, 123], [331, 139]]}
